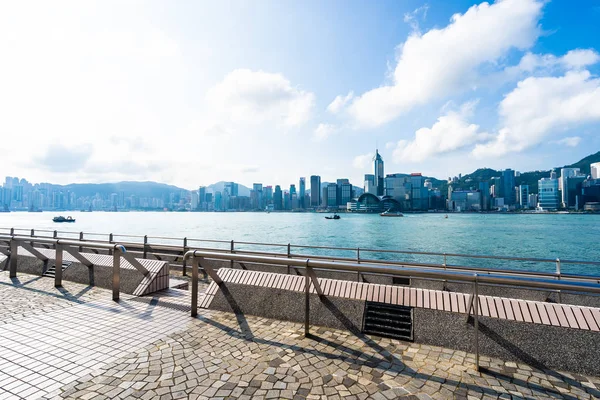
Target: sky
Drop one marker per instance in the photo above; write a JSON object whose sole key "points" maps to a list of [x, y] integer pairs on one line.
{"points": [[190, 93]]}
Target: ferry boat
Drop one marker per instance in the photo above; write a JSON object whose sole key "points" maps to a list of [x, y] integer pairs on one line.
{"points": [[335, 216], [63, 219], [389, 213]]}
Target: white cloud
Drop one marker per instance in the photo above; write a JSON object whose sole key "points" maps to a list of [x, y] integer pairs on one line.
{"points": [[547, 63], [412, 18], [390, 145], [451, 132], [323, 131], [570, 141], [362, 161], [541, 106], [445, 61], [339, 103], [254, 97]]}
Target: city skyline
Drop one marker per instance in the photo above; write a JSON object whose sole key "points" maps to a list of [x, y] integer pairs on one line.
{"points": [[440, 87], [502, 190]]}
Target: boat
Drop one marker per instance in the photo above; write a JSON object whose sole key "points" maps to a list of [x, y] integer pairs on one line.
{"points": [[63, 219], [446, 216], [334, 216], [389, 213]]}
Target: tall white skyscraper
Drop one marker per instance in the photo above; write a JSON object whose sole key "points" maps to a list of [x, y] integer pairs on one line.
{"points": [[566, 173], [595, 169]]}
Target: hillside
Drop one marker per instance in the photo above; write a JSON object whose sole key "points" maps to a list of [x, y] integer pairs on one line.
{"points": [[527, 178], [140, 189]]}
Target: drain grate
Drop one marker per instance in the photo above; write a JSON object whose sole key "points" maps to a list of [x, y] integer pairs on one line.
{"points": [[387, 320], [51, 271]]}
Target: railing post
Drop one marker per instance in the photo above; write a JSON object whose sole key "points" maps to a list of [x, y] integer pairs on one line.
{"points": [[289, 255], [58, 263], [184, 262], [558, 277], [358, 274], [81, 240], [32, 235], [12, 231], [232, 250], [145, 244], [14, 247], [195, 265], [116, 278], [54, 236], [306, 301], [445, 281], [110, 240], [476, 324]]}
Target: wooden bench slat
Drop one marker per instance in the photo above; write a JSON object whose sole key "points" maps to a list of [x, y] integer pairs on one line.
{"points": [[580, 318], [426, 298], [589, 319], [499, 308], [554, 321], [413, 297], [516, 310], [419, 297], [534, 312], [543, 314], [596, 313], [562, 319], [570, 316], [446, 300]]}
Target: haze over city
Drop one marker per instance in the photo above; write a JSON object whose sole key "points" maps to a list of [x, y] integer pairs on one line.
{"points": [[267, 92]]}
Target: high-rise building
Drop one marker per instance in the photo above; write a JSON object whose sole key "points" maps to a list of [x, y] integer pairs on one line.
{"points": [[344, 191], [396, 187], [595, 170], [315, 191], [508, 187], [572, 191], [302, 192], [378, 164], [524, 196], [419, 194], [484, 188], [277, 198], [565, 174], [202, 203], [332, 197], [324, 197], [370, 186], [532, 200], [232, 188], [548, 197], [194, 200]]}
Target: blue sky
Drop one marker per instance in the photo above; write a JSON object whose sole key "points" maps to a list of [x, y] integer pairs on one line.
{"points": [[190, 93]]}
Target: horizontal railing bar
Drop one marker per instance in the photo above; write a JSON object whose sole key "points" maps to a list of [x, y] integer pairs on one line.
{"points": [[91, 245], [405, 252], [405, 271]]}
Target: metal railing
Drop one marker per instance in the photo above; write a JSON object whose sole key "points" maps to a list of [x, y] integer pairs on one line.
{"points": [[177, 247], [74, 248], [310, 265]]}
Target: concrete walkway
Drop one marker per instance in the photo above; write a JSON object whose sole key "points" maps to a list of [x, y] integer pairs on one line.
{"points": [[74, 342]]}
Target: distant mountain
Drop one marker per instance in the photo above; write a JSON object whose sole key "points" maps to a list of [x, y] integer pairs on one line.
{"points": [[140, 189], [220, 186]]}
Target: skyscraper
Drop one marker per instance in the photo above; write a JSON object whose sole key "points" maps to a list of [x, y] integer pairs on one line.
{"points": [[277, 198], [370, 184], [315, 191], [508, 187], [566, 173], [595, 170], [378, 164], [524, 196], [548, 193], [302, 189]]}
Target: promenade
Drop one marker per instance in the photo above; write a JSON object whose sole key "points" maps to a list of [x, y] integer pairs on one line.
{"points": [[74, 342]]}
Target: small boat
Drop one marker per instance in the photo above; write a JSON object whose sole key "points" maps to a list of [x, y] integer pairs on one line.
{"points": [[63, 219], [335, 216], [389, 213], [446, 216]]}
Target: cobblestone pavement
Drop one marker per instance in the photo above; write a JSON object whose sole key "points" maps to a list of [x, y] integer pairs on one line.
{"points": [[76, 343]]}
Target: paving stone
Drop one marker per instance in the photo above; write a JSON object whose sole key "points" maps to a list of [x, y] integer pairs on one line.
{"points": [[59, 345]]}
